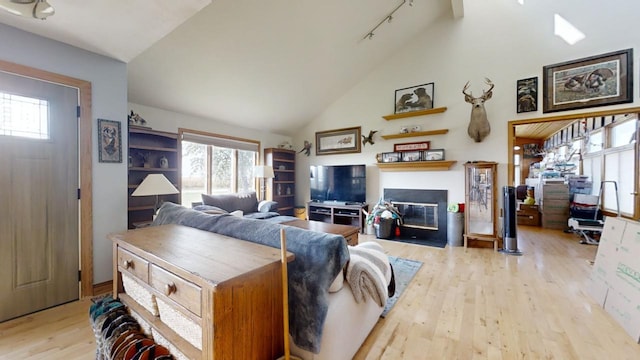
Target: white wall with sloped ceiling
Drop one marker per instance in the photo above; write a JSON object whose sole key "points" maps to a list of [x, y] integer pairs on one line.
{"points": [[502, 40], [165, 120]]}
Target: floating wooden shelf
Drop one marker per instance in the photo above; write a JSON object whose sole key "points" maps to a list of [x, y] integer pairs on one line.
{"points": [[415, 113], [417, 166], [415, 133]]}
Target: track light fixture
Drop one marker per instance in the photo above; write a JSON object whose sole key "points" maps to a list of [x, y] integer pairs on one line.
{"points": [[387, 18], [38, 9]]}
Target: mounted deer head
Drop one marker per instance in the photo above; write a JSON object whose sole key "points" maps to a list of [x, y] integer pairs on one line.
{"points": [[479, 126]]}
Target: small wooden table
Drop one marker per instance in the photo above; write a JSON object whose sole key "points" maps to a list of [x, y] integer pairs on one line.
{"points": [[350, 233]]}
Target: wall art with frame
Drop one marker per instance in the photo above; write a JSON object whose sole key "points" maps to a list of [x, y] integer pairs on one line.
{"points": [[109, 141], [433, 155], [340, 141], [414, 98], [599, 80], [527, 95]]}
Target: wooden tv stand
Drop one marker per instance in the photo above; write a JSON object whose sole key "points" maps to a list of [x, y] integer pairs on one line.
{"points": [[337, 213]]}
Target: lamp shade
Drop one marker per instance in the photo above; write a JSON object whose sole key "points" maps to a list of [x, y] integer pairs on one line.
{"points": [[155, 184], [263, 171]]}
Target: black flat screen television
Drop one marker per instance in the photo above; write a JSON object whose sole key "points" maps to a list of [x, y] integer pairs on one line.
{"points": [[339, 183]]}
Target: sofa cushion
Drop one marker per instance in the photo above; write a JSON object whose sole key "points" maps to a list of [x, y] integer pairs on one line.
{"points": [[208, 209], [247, 202], [261, 215], [267, 206]]}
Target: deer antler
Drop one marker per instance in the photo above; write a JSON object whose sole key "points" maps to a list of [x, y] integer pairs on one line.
{"points": [[464, 90], [490, 84]]}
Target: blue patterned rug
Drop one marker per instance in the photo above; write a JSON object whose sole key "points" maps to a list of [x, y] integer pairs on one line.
{"points": [[404, 271]]}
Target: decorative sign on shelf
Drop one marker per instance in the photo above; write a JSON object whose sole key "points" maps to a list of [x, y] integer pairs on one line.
{"points": [[413, 146]]}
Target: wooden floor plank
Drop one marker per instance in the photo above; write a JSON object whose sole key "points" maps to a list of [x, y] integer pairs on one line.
{"points": [[473, 304]]}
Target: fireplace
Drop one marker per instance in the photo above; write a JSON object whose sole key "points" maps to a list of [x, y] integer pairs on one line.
{"points": [[418, 215], [424, 213]]}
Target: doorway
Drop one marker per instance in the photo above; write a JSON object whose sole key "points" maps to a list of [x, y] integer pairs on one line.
{"points": [[46, 154], [559, 121]]}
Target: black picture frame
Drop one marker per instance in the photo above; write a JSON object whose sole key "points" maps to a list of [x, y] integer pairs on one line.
{"points": [[414, 98], [109, 141], [411, 156], [433, 155], [600, 80], [527, 95], [389, 157]]}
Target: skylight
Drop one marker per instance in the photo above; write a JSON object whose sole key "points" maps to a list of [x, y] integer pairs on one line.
{"points": [[566, 30]]}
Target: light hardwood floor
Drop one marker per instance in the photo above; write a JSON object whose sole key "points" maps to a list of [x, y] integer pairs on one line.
{"points": [[473, 304]]}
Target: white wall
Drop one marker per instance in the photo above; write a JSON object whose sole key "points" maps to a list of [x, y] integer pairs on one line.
{"points": [[108, 79], [501, 40], [165, 120]]}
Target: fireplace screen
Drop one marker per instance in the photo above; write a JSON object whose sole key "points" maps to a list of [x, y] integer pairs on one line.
{"points": [[418, 215]]}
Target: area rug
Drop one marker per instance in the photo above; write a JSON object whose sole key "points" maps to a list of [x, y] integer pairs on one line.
{"points": [[404, 271], [426, 242]]}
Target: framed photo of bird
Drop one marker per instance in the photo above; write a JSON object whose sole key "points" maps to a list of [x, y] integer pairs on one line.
{"points": [[340, 141], [414, 98], [599, 80], [109, 141]]}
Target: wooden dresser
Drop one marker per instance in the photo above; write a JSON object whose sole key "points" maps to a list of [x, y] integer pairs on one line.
{"points": [[203, 295]]}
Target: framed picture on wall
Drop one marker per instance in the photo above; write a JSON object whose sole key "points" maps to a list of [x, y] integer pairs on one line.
{"points": [[109, 141], [599, 80], [340, 141], [414, 98], [527, 95]]}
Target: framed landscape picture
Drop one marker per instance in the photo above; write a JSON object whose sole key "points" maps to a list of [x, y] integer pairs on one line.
{"points": [[599, 80]]}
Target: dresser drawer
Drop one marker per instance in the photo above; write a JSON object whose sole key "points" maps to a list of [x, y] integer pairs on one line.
{"points": [[352, 239], [133, 264], [176, 288]]}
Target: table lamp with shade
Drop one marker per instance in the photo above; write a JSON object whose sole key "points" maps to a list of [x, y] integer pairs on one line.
{"points": [[263, 172], [155, 185]]}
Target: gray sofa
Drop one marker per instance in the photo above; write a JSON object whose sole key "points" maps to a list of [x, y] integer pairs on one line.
{"points": [[247, 203], [322, 304]]}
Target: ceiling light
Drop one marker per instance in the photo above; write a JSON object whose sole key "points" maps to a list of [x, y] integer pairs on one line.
{"points": [[42, 10], [387, 18], [566, 30], [39, 9], [516, 148]]}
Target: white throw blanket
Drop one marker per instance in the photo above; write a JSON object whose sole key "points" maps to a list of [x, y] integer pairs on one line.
{"points": [[368, 272]]}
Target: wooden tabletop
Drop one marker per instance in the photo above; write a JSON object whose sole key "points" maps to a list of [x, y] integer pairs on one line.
{"points": [[197, 251]]}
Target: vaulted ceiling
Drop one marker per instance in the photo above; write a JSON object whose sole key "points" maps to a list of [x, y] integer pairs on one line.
{"points": [[271, 65]]}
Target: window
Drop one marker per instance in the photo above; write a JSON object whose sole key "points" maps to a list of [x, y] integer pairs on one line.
{"points": [[595, 142], [215, 164], [612, 161], [24, 116]]}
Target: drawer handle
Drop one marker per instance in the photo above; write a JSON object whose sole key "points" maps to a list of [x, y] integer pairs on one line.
{"points": [[170, 289], [127, 264]]}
